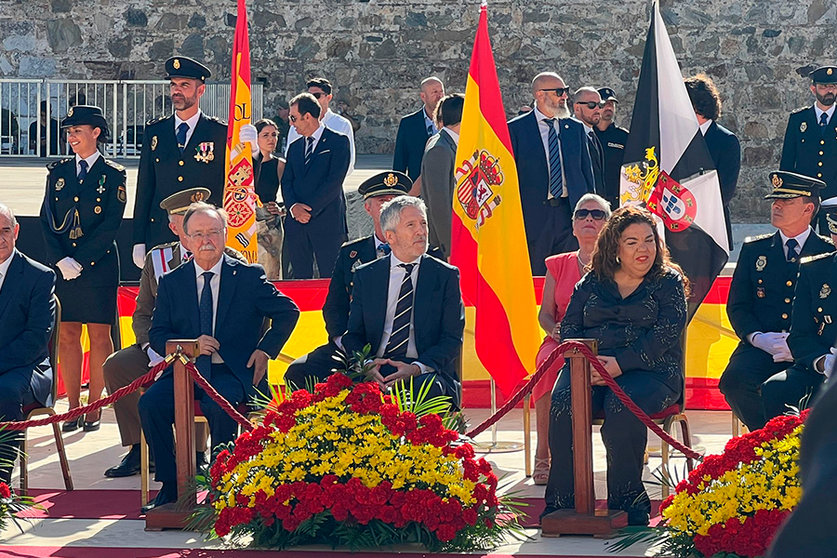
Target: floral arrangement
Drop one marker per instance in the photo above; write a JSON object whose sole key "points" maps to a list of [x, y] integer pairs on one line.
{"points": [[350, 466], [732, 504]]}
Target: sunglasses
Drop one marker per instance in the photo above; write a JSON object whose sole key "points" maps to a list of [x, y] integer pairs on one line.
{"points": [[293, 118], [596, 214], [319, 94], [558, 90], [591, 104]]}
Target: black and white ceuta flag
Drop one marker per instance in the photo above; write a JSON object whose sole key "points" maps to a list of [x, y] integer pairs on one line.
{"points": [[669, 169]]}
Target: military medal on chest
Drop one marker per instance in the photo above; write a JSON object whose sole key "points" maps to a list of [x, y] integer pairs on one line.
{"points": [[59, 185], [206, 152], [101, 188], [761, 263], [825, 290]]}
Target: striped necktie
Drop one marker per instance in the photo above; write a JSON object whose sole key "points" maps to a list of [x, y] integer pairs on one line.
{"points": [[397, 344], [556, 181], [309, 148]]}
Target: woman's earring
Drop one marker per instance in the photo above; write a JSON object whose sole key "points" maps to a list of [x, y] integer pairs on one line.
{"points": [[618, 261]]}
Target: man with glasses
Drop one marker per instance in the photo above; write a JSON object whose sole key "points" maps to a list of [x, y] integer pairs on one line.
{"points": [[553, 167], [415, 129], [321, 89], [224, 304], [183, 150], [588, 110], [613, 139], [810, 146], [312, 188]]}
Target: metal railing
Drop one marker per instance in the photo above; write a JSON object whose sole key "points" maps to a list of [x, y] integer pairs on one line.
{"points": [[127, 105]]}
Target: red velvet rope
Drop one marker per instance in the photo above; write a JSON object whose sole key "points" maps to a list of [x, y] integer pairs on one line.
{"points": [[215, 396], [550, 364]]}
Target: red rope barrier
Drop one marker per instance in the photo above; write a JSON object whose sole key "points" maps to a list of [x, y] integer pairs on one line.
{"points": [[215, 396], [549, 364]]}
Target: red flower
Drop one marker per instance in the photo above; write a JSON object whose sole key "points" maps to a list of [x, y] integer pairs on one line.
{"points": [[5, 491]]}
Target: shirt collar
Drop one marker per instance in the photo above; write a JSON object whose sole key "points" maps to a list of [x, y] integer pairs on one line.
{"points": [[705, 126], [318, 133], [192, 121], [378, 241], [587, 128], [539, 116], [819, 112], [90, 160], [395, 262], [453, 135], [4, 267], [800, 238], [216, 269]]}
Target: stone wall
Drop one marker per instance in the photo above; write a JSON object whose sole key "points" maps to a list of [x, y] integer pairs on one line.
{"points": [[376, 52]]}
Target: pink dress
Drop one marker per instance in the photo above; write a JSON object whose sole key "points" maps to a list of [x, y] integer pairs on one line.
{"points": [[564, 269]]}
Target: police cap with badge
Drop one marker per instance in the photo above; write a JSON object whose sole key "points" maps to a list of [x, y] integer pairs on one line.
{"points": [[185, 67], [607, 94], [824, 74], [179, 202], [789, 185], [829, 207], [90, 115], [387, 183]]}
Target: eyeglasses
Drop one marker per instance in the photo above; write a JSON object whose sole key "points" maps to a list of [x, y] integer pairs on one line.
{"points": [[591, 104], [558, 90], [293, 118], [596, 214], [208, 234], [319, 94]]}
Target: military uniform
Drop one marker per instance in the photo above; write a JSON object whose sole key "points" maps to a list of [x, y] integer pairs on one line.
{"points": [[613, 140], [80, 220]]}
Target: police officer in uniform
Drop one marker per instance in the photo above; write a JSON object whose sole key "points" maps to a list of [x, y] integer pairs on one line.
{"points": [[126, 365], [613, 139], [185, 149], [80, 216], [761, 293], [318, 364], [810, 146], [813, 331]]}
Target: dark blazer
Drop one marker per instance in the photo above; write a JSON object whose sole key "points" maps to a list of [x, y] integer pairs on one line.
{"points": [[533, 169], [320, 184], [437, 186], [613, 140], [409, 144], [814, 319], [27, 312], [597, 158], [245, 300], [762, 288], [164, 170], [806, 150], [438, 314], [725, 150]]}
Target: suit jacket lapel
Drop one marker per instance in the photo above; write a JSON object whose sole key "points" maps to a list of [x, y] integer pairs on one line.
{"points": [[194, 135], [225, 296], [190, 289], [425, 283], [12, 282], [380, 284]]}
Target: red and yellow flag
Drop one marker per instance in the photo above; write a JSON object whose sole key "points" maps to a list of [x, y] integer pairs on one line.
{"points": [[488, 242], [239, 190]]}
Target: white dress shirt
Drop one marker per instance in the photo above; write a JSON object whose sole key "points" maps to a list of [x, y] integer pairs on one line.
{"points": [[4, 269], [453, 135], [800, 238], [335, 123], [215, 284], [90, 161], [543, 128], [192, 122], [705, 126], [819, 111]]}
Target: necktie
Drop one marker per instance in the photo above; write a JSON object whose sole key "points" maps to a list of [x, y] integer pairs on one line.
{"points": [[383, 250], [430, 131], [397, 344], [555, 179], [82, 174], [793, 253], [823, 122], [181, 135], [309, 148], [205, 313]]}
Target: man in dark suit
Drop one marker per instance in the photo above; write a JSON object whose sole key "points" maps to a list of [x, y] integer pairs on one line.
{"points": [[588, 110], [27, 313], [186, 149], [437, 171], [810, 145], [415, 129], [723, 145], [223, 304], [554, 169], [762, 290], [312, 188], [613, 139], [408, 308]]}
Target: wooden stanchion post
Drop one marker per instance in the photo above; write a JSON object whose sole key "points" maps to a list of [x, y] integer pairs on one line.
{"points": [[176, 515], [585, 519]]}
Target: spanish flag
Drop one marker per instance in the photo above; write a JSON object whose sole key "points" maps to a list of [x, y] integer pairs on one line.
{"points": [[488, 243], [239, 190]]}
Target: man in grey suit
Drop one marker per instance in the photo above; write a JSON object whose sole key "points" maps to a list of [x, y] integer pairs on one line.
{"points": [[437, 168]]}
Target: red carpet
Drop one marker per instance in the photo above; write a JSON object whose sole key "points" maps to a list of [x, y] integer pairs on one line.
{"points": [[97, 552]]}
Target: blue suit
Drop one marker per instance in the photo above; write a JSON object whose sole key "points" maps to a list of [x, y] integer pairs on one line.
{"points": [[548, 221], [27, 313], [319, 184], [409, 144], [245, 300], [725, 150]]}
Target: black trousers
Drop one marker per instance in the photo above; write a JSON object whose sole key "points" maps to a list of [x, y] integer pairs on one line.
{"points": [[624, 438], [553, 236], [741, 383], [15, 394], [156, 409], [305, 242], [318, 365], [795, 387]]}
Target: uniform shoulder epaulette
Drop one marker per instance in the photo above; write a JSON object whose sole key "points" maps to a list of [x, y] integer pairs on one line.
{"points": [[215, 119], [758, 237], [356, 241], [55, 164], [154, 121], [800, 109], [115, 165], [809, 259], [165, 245]]}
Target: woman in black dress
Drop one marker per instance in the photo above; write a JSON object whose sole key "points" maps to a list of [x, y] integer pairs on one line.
{"points": [[82, 210], [268, 172], [634, 302]]}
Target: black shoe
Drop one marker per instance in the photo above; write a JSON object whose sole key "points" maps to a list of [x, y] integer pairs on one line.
{"points": [[129, 466], [167, 495], [90, 425], [71, 425]]}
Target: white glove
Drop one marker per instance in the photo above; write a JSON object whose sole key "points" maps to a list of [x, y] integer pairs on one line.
{"points": [[139, 255], [249, 133], [153, 358], [776, 344], [70, 268], [828, 363]]}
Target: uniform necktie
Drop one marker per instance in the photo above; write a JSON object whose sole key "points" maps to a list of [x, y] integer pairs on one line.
{"points": [[429, 130], [181, 135], [205, 313], [383, 250], [823, 122], [556, 181], [793, 253], [397, 344], [309, 148], [82, 174]]}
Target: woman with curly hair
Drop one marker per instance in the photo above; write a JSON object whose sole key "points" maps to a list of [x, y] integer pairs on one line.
{"points": [[633, 301]]}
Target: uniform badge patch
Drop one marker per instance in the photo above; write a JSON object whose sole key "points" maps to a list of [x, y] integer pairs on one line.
{"points": [[176, 64], [153, 143], [760, 292], [825, 290], [761, 263], [59, 185], [353, 253], [121, 194], [803, 126]]}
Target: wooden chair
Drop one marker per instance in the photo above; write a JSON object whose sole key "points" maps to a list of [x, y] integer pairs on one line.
{"points": [[36, 409]]}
